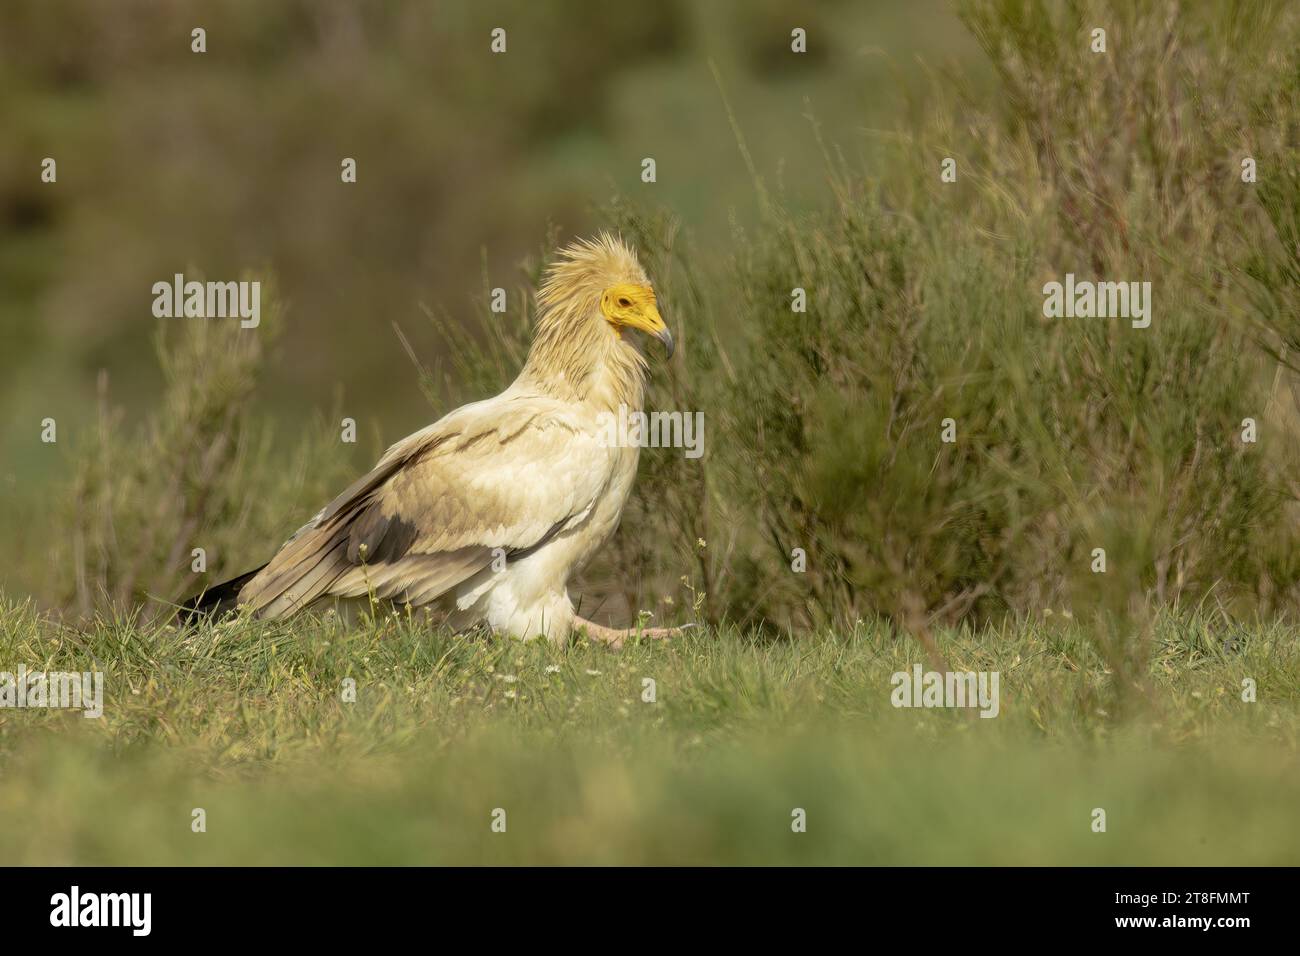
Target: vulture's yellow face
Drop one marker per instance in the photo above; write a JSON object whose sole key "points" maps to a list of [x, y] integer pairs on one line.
{"points": [[632, 306]]}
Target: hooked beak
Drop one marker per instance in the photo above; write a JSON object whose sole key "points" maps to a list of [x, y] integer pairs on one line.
{"points": [[649, 320], [666, 337]]}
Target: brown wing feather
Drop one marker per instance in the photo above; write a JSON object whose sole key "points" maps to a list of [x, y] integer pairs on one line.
{"points": [[506, 473]]}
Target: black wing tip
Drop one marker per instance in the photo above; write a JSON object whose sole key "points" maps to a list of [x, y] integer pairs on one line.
{"points": [[216, 601]]}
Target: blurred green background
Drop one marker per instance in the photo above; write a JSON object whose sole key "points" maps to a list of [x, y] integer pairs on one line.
{"points": [[775, 170], [215, 163]]}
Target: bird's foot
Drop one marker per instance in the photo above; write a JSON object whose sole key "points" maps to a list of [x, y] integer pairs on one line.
{"points": [[614, 637]]}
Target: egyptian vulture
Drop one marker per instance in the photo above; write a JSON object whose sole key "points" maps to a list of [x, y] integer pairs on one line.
{"points": [[487, 512]]}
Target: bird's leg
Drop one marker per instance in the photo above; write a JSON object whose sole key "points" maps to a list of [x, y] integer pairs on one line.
{"points": [[613, 637]]}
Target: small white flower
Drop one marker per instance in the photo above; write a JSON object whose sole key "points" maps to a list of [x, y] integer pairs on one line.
{"points": [[508, 678], [552, 668]]}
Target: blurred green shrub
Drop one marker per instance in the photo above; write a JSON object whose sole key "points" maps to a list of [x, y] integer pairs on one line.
{"points": [[202, 471]]}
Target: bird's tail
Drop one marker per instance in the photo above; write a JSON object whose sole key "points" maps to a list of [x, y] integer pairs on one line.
{"points": [[215, 601]]}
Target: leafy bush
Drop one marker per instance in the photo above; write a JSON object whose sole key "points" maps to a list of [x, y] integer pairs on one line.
{"points": [[202, 471]]}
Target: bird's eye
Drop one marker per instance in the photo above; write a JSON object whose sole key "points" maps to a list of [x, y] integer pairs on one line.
{"points": [[624, 302]]}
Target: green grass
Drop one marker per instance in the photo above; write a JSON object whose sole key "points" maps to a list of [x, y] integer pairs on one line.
{"points": [[246, 721]]}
